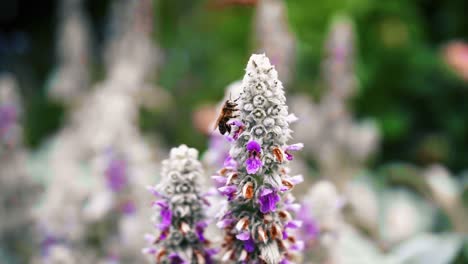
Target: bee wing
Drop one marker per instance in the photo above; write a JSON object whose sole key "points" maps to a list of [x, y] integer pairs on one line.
{"points": [[220, 116]]}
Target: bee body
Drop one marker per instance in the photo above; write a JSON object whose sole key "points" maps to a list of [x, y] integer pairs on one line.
{"points": [[226, 114]]}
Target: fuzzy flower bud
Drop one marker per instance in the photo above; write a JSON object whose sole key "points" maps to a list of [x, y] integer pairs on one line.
{"points": [[257, 223], [181, 219]]}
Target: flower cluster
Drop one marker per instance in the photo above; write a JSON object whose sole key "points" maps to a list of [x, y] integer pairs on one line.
{"points": [[181, 219], [255, 178], [321, 216], [335, 140], [88, 189]]}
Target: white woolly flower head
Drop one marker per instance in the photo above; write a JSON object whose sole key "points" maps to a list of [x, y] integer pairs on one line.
{"points": [[180, 213], [255, 177]]}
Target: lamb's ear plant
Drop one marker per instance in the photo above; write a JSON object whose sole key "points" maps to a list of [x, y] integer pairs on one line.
{"points": [[255, 178], [180, 218]]}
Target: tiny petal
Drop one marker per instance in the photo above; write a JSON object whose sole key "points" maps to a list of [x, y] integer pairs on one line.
{"points": [[253, 165], [166, 217], [154, 191], [298, 246], [150, 238], [293, 147], [219, 180], [249, 245], [227, 190], [230, 163], [265, 191], [236, 122], [296, 179], [176, 259], [268, 199], [254, 146], [199, 229], [148, 250], [224, 223], [243, 236], [161, 203], [294, 224], [295, 207]]}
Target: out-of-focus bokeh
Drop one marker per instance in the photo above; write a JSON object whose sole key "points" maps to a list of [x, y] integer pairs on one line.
{"points": [[94, 93]]}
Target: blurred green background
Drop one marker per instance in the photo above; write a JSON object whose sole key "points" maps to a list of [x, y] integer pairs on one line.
{"points": [[418, 101]]}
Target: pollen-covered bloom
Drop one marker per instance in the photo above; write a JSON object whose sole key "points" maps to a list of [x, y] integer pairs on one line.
{"points": [[260, 212], [180, 219]]}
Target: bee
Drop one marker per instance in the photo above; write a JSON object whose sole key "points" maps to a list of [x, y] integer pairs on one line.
{"points": [[226, 114]]}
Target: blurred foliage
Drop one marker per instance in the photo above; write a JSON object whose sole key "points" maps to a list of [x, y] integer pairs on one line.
{"points": [[418, 103]]}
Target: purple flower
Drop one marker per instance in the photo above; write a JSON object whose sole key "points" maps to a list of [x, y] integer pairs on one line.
{"points": [[149, 251], [199, 229], [228, 191], [268, 199], [219, 181], [116, 174], [176, 259], [253, 146], [294, 224], [298, 246], [154, 191], [296, 179], [249, 245], [230, 163], [244, 236], [150, 238], [166, 215], [253, 163], [209, 253], [240, 128], [225, 222], [290, 205], [293, 147]]}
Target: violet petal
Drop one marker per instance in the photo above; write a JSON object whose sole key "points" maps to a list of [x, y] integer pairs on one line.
{"points": [[253, 165]]}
